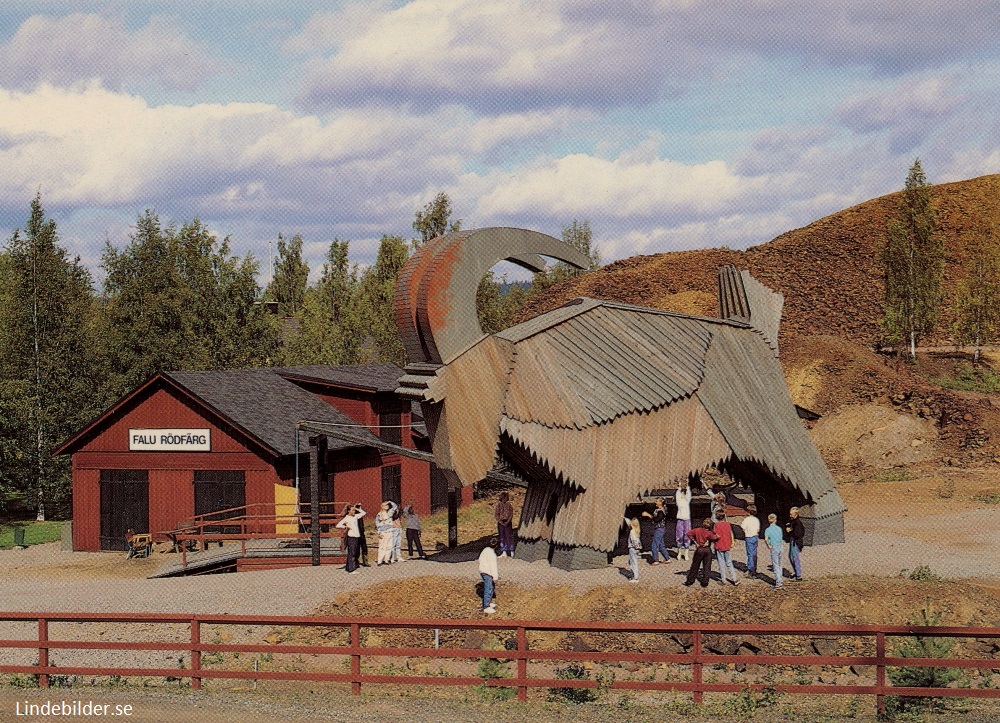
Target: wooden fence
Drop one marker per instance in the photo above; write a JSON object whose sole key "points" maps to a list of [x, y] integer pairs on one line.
{"points": [[699, 652]]}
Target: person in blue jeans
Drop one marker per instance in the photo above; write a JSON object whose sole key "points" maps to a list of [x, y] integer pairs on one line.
{"points": [[751, 534], [490, 574], [795, 535], [773, 537], [634, 548], [659, 547]]}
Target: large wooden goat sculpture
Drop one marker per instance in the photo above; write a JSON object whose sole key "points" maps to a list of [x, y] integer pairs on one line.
{"points": [[596, 403]]}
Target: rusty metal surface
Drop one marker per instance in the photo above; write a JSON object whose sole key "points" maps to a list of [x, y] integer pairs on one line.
{"points": [[436, 296]]}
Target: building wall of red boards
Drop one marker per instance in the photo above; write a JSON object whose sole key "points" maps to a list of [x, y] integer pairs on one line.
{"points": [[357, 473]]}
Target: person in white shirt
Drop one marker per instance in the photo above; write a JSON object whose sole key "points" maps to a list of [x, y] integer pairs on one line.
{"points": [[751, 533], [349, 522], [489, 572], [683, 499]]}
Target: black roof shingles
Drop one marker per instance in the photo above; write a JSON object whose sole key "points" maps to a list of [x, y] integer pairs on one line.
{"points": [[376, 377], [266, 405]]}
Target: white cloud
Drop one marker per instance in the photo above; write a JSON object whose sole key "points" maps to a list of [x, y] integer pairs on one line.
{"points": [[519, 55], [631, 186], [84, 46]]}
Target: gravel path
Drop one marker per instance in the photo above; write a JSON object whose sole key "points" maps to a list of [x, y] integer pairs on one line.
{"points": [[972, 551]]}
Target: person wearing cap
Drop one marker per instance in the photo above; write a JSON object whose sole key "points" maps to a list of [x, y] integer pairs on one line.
{"points": [[489, 571]]}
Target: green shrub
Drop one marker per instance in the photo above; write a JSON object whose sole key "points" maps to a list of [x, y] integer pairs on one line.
{"points": [[489, 669], [745, 704], [573, 671], [920, 646], [923, 573]]}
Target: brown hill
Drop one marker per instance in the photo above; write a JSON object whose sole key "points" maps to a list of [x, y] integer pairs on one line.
{"points": [[828, 271], [832, 282]]}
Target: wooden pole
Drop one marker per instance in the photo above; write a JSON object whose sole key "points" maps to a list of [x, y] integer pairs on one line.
{"points": [[317, 458], [452, 518]]}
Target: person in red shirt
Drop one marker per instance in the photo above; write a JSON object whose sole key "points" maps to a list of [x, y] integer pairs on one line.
{"points": [[724, 547], [703, 538]]}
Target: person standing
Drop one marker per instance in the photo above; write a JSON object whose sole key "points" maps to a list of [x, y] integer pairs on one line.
{"points": [[795, 536], [773, 539], [489, 571], [397, 532], [349, 522], [634, 547], [362, 539], [413, 530], [751, 534], [703, 538], [503, 512], [383, 526], [659, 547], [683, 499], [724, 547]]}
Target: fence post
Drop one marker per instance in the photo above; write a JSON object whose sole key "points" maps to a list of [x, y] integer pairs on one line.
{"points": [[696, 666], [356, 659], [43, 651], [522, 662], [880, 672], [195, 653]]}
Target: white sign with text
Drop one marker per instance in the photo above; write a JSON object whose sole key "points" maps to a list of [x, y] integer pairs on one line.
{"points": [[170, 440]]}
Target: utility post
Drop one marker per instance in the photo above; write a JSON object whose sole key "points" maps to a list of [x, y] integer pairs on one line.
{"points": [[317, 461]]}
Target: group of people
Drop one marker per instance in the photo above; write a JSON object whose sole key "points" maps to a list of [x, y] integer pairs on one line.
{"points": [[714, 539], [389, 525]]}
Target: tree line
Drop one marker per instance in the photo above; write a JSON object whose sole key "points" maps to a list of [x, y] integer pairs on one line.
{"points": [[178, 298], [913, 259]]}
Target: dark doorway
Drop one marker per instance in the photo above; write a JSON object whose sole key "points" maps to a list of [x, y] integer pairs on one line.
{"points": [[439, 488], [124, 505], [392, 478], [216, 491]]}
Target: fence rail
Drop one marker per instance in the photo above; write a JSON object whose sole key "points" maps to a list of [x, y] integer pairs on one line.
{"points": [[519, 652]]}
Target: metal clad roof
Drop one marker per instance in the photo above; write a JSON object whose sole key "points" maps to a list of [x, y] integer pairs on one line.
{"points": [[613, 358], [765, 309], [746, 394], [534, 325]]}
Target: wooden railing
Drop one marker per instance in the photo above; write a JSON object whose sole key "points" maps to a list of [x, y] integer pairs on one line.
{"points": [[258, 521], [352, 648]]}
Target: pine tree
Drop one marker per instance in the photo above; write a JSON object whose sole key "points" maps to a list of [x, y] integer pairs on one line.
{"points": [[48, 372], [977, 305], [913, 259]]}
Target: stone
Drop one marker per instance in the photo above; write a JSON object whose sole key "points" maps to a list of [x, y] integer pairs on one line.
{"points": [[826, 647], [475, 639]]}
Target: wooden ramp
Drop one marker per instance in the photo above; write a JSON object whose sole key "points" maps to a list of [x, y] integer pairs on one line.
{"points": [[266, 554]]}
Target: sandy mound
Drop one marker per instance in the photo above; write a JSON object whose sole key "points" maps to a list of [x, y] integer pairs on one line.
{"points": [[874, 435]]}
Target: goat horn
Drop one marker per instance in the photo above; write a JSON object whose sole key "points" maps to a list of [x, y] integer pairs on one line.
{"points": [[435, 302]]}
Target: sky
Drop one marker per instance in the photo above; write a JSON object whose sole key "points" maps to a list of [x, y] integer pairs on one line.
{"points": [[667, 125]]}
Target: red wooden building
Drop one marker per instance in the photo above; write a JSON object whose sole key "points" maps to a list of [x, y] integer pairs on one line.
{"points": [[190, 443]]}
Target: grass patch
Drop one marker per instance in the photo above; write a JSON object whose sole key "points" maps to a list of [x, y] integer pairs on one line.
{"points": [[35, 533], [989, 498], [970, 379], [896, 474]]}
